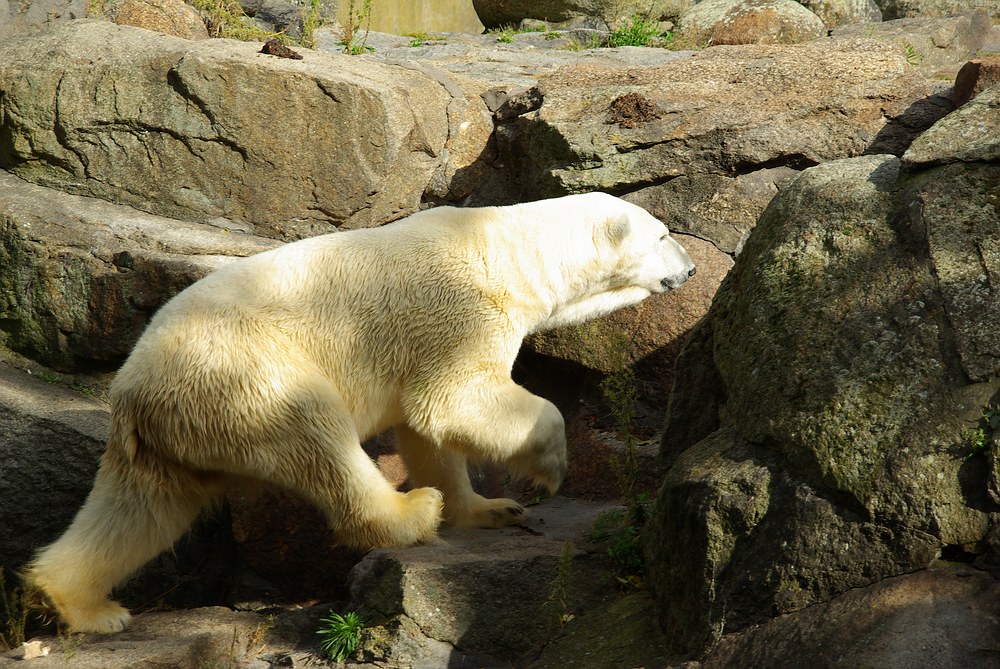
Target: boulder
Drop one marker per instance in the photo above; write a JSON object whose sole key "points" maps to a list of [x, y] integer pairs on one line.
{"points": [[835, 13], [170, 17], [452, 597], [901, 9], [751, 22], [214, 129], [288, 16], [936, 46], [975, 76], [818, 441], [935, 618]]}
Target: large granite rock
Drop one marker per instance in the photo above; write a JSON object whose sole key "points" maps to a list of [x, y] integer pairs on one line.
{"points": [[214, 129], [936, 46], [692, 119], [751, 22], [817, 441]]}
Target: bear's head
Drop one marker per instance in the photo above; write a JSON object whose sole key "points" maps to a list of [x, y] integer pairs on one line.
{"points": [[641, 252]]}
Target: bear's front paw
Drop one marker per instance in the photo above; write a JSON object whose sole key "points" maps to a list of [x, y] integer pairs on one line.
{"points": [[479, 511]]}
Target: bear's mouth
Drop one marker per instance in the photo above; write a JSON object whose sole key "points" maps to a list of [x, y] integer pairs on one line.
{"points": [[675, 282]]}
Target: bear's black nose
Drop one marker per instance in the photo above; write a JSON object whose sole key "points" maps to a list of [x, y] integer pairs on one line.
{"points": [[692, 271]]}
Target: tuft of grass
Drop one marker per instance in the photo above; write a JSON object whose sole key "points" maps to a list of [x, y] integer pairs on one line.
{"points": [[505, 34], [310, 22], [226, 18], [340, 635], [13, 617], [422, 38], [622, 530], [636, 31]]}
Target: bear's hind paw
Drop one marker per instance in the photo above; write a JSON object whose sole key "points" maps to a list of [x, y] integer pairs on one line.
{"points": [[423, 510]]}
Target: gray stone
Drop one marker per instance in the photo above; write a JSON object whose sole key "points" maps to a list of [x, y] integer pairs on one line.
{"points": [[936, 46], [484, 592], [840, 365], [703, 127], [938, 617], [967, 135], [835, 13], [24, 18], [901, 9]]}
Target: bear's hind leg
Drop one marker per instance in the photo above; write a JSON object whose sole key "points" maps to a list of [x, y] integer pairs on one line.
{"points": [[125, 522], [446, 470], [318, 455]]}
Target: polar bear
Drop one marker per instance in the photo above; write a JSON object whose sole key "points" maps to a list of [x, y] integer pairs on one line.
{"points": [[277, 366]]}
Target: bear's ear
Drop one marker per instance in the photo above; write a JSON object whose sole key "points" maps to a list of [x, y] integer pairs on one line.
{"points": [[617, 228]]}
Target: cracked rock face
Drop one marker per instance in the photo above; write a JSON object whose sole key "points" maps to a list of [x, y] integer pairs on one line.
{"points": [[721, 114], [203, 130]]}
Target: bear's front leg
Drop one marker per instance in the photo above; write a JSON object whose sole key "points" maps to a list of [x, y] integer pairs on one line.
{"points": [[492, 418], [446, 469]]}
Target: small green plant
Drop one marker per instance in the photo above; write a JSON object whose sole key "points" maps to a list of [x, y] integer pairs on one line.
{"points": [[504, 34], [622, 529], [226, 18], [356, 17], [979, 439], [422, 38], [558, 602], [15, 615], [310, 22], [637, 31], [69, 643], [913, 57], [340, 634]]}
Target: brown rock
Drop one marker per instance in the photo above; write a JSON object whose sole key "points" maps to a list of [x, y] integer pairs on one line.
{"points": [[751, 22], [975, 76], [170, 17]]}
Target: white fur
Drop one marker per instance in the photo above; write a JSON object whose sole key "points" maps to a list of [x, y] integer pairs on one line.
{"points": [[276, 367]]}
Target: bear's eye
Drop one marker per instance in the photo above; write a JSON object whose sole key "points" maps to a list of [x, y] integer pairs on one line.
{"points": [[663, 238]]}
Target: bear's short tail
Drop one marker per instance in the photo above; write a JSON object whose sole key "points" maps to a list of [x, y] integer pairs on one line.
{"points": [[138, 508]]}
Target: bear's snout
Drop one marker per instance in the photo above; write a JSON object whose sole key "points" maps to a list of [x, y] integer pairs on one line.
{"points": [[678, 280]]}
